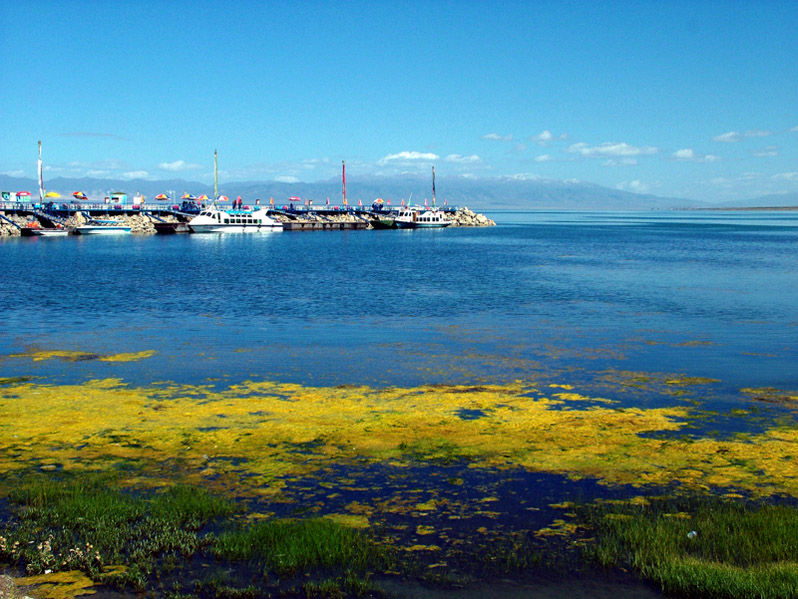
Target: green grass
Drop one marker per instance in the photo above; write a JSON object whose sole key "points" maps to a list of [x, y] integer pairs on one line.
{"points": [[88, 522], [287, 546], [702, 547]]}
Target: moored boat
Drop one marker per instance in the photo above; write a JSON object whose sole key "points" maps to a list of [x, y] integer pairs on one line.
{"points": [[216, 220], [102, 229], [49, 232], [412, 218]]}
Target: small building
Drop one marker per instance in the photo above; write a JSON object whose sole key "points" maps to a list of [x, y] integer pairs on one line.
{"points": [[116, 197]]}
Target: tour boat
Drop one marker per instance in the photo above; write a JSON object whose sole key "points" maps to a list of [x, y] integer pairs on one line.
{"points": [[413, 218], [215, 220]]}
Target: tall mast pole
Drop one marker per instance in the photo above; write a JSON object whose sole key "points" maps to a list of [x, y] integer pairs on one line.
{"points": [[433, 185], [215, 177], [41, 178], [343, 170]]}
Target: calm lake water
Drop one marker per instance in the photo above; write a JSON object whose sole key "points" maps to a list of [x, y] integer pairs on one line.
{"points": [[542, 294], [566, 297]]}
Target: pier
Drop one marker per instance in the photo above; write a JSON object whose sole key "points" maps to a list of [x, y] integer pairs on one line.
{"points": [[152, 217]]}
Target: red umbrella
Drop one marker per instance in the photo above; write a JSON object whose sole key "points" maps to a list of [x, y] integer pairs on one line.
{"points": [[162, 196]]}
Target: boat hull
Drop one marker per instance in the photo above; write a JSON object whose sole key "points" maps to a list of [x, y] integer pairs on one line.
{"points": [[411, 225], [49, 232], [102, 230], [221, 228]]}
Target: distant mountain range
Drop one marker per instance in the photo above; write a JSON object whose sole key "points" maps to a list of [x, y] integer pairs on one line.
{"points": [[479, 194]]}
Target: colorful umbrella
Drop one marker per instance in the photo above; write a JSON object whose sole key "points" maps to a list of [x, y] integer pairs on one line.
{"points": [[222, 199], [294, 199], [52, 194], [187, 196], [203, 198], [378, 201], [23, 194], [162, 196], [80, 195]]}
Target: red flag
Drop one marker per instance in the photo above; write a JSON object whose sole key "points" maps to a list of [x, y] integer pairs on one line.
{"points": [[359, 203], [328, 201], [389, 202]]}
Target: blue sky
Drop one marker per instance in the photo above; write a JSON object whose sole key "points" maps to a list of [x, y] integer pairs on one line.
{"points": [[688, 99]]}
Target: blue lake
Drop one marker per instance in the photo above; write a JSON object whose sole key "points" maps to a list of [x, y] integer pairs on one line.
{"points": [[544, 294]]}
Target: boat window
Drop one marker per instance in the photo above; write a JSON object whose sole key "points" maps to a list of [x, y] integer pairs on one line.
{"points": [[227, 221]]}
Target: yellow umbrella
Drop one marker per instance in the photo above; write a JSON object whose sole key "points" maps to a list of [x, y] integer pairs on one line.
{"points": [[52, 194]]}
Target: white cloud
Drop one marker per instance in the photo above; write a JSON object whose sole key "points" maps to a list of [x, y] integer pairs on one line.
{"points": [[636, 186], [407, 157], [786, 177], [732, 137], [684, 154], [620, 162], [178, 165], [546, 137], [462, 159], [688, 155], [497, 137], [134, 175], [286, 179], [19, 173], [767, 152], [610, 149], [543, 158]]}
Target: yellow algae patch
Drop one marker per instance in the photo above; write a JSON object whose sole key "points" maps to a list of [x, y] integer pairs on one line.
{"points": [[770, 394], [579, 397], [59, 585], [349, 520], [422, 529], [81, 356], [129, 357], [690, 380], [251, 434], [558, 528], [57, 354]]}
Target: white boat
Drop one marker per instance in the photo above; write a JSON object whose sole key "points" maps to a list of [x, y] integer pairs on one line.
{"points": [[413, 218], [102, 230], [216, 220], [242, 220], [42, 232]]}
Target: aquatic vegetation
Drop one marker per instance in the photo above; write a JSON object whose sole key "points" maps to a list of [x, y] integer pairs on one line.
{"points": [[82, 356], [250, 435], [288, 546], [701, 546], [254, 440]]}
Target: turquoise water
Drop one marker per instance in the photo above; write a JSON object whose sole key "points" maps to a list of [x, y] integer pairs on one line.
{"points": [[542, 294]]}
